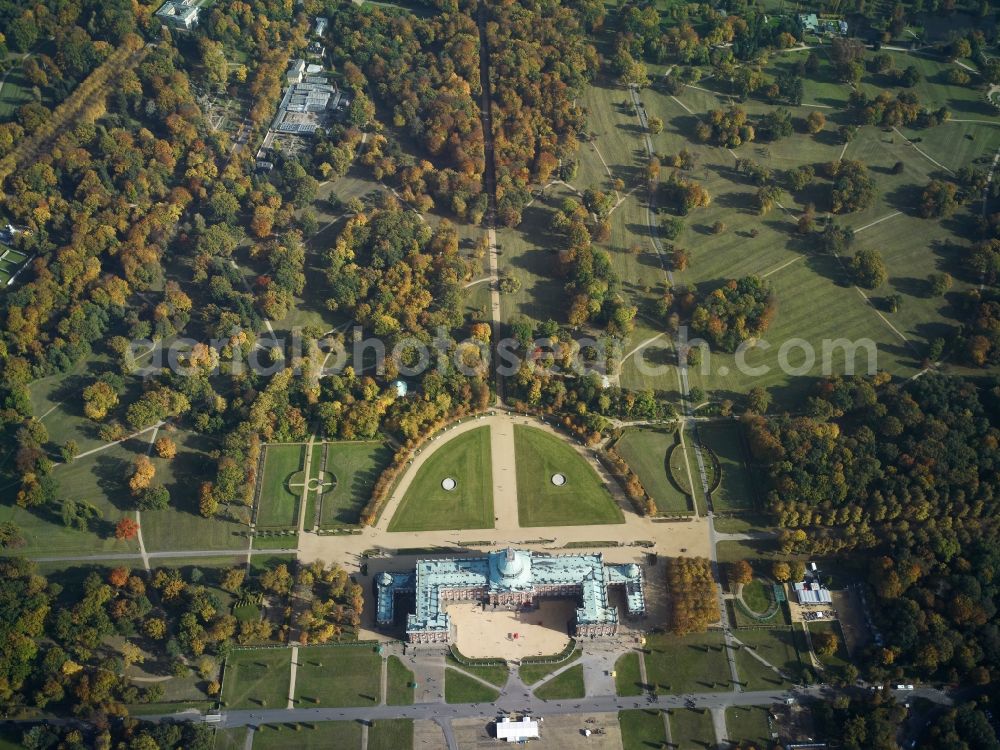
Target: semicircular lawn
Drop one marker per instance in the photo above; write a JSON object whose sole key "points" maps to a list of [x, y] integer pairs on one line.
{"points": [[427, 506], [582, 500]]}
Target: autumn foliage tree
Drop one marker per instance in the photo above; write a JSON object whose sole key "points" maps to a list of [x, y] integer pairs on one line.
{"points": [[165, 447], [684, 194], [853, 188], [126, 529], [868, 269], [815, 121], [98, 399], [781, 571], [692, 594], [118, 577], [825, 643], [740, 573], [142, 474], [208, 506], [726, 127], [540, 61], [738, 310]]}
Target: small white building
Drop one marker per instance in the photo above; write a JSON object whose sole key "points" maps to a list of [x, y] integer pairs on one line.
{"points": [[321, 24], [296, 71], [521, 730], [181, 14]]}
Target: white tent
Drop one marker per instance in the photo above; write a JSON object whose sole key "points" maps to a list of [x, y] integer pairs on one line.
{"points": [[517, 731]]}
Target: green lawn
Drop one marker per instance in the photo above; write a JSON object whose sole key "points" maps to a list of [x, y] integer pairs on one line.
{"points": [[257, 678], [649, 358], [391, 734], [55, 401], [427, 505], [645, 451], [679, 467], [496, 674], [628, 678], [99, 479], [182, 526], [354, 467], [278, 541], [532, 673], [338, 676], [278, 502], [755, 597], [742, 523], [823, 87], [735, 491], [523, 257], [741, 619], [399, 687], [569, 684], [691, 729], [693, 663], [224, 739], [803, 280], [686, 453], [933, 90], [527, 250], [260, 563], [752, 550], [16, 92], [304, 736], [754, 675], [776, 646], [748, 724], [179, 693], [642, 729], [459, 688], [582, 500], [839, 659]]}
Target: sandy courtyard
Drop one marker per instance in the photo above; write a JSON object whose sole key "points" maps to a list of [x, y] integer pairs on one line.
{"points": [[488, 632]]}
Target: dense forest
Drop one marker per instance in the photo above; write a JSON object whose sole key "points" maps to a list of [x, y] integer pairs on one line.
{"points": [[425, 73], [539, 61], [69, 644], [694, 601], [906, 473]]}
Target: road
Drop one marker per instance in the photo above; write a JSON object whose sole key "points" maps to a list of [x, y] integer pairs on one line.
{"points": [[688, 412], [489, 182], [654, 229], [184, 553], [529, 704]]}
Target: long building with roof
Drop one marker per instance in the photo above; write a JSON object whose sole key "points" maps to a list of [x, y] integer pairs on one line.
{"points": [[509, 579]]}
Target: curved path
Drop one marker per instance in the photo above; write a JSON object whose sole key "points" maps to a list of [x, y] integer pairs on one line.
{"points": [[766, 614], [473, 283], [642, 346], [351, 550]]}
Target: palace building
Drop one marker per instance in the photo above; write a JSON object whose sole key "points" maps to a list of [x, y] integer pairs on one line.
{"points": [[509, 579]]}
